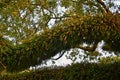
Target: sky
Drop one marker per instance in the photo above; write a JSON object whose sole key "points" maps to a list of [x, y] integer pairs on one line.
{"points": [[116, 2]]}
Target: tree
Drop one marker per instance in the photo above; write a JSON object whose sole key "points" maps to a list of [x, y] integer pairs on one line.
{"points": [[26, 21]]}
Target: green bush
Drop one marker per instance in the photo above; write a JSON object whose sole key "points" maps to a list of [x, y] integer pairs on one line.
{"points": [[79, 71]]}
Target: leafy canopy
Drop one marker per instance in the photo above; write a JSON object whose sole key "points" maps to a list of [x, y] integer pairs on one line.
{"points": [[26, 21]]}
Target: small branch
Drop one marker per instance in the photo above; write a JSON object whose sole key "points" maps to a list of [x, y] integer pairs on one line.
{"points": [[44, 8], [104, 6], [61, 54], [88, 48], [91, 49], [2, 65]]}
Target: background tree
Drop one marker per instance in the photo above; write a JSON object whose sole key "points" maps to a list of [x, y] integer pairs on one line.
{"points": [[81, 21]]}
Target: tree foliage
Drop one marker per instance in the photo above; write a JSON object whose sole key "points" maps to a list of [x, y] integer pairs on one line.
{"points": [[83, 21]]}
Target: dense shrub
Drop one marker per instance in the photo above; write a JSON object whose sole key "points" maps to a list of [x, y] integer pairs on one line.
{"points": [[81, 71]]}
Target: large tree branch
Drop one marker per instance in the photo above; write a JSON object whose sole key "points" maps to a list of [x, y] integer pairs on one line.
{"points": [[49, 43]]}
